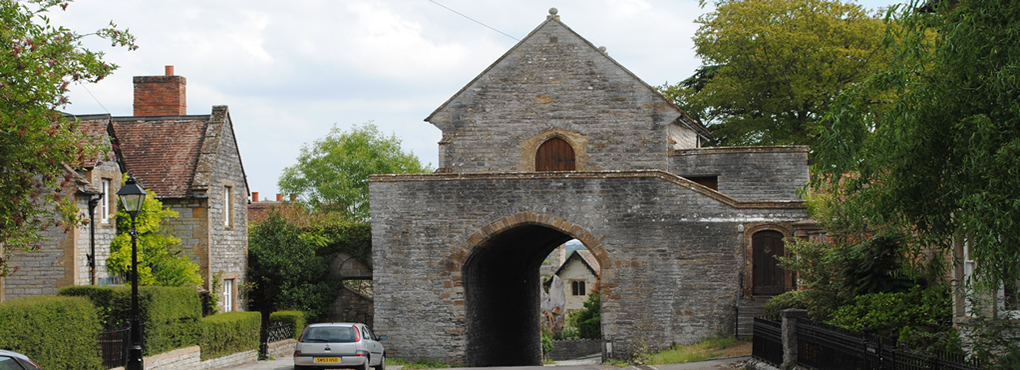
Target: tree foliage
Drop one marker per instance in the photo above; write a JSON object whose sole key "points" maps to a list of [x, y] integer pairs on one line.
{"points": [[588, 320], [333, 172], [160, 258], [771, 67], [37, 63], [941, 160], [286, 271]]}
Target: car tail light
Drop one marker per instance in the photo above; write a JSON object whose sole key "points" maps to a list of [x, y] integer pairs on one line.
{"points": [[361, 353], [357, 334]]}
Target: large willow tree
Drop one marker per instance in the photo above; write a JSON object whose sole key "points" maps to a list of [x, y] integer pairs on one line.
{"points": [[931, 144]]}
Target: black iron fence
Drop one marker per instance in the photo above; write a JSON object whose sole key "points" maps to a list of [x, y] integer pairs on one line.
{"points": [[279, 331], [767, 342], [826, 347], [113, 345]]}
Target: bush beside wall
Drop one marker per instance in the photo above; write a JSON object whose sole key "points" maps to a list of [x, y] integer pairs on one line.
{"points": [[227, 333], [55, 332], [295, 318], [170, 315]]}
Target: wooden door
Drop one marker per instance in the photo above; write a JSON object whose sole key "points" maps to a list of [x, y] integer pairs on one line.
{"points": [[554, 155], [769, 278]]}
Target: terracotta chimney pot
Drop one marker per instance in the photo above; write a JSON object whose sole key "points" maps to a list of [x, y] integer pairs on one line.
{"points": [[254, 196], [279, 197]]}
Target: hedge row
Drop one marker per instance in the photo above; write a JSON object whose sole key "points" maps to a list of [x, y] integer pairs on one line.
{"points": [[228, 333], [296, 319], [55, 332], [169, 315]]}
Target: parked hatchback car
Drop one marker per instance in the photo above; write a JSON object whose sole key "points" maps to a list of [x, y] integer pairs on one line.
{"points": [[15, 361], [333, 345]]}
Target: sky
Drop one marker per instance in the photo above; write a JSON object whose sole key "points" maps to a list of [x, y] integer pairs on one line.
{"points": [[291, 70]]}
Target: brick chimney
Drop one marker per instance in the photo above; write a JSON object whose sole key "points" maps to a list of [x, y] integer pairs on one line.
{"points": [[161, 95]]}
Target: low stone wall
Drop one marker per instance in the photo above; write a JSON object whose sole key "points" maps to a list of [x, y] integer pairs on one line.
{"points": [[191, 358], [282, 348], [574, 348]]}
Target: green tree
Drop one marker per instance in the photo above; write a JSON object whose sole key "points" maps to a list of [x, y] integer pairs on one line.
{"points": [[160, 259], [771, 67], [588, 320], [332, 173], [37, 63], [941, 161], [287, 271]]}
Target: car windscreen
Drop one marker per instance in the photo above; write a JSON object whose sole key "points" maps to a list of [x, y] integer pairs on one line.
{"points": [[332, 334], [9, 363]]}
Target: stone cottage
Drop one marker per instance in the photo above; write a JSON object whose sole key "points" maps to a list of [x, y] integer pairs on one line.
{"points": [[557, 141], [579, 276], [193, 165]]}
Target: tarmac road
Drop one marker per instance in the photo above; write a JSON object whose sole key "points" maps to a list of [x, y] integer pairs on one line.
{"points": [[589, 363]]}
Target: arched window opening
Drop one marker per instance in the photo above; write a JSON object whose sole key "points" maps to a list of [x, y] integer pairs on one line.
{"points": [[554, 155]]}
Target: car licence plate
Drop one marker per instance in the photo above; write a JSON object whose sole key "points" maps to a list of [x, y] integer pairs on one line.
{"points": [[327, 359]]}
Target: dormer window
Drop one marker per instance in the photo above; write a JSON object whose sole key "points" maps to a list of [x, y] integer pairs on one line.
{"points": [[554, 155]]}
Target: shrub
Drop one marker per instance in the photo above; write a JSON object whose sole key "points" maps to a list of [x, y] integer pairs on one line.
{"points": [[169, 315], [588, 320], [919, 316], [227, 333], [296, 319], [56, 332]]}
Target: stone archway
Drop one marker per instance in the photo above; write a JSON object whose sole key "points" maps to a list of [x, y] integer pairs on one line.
{"points": [[502, 286]]}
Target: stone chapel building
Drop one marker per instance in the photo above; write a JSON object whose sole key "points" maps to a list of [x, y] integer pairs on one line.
{"points": [[557, 141], [193, 165]]}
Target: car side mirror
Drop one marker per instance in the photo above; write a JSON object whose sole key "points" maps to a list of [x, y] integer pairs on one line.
{"points": [[382, 337]]}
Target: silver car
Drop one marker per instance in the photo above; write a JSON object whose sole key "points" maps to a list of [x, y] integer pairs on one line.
{"points": [[332, 345], [16, 361]]}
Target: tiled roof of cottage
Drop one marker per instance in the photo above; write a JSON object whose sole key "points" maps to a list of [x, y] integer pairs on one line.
{"points": [[585, 257], [162, 152]]}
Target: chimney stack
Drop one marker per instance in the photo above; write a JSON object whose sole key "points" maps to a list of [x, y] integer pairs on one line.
{"points": [[279, 197], [161, 95], [254, 197]]}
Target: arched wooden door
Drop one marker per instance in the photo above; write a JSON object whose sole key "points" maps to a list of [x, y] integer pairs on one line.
{"points": [[554, 155], [768, 277]]}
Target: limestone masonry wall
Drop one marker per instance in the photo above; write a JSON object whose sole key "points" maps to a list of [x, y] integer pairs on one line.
{"points": [[670, 255]]}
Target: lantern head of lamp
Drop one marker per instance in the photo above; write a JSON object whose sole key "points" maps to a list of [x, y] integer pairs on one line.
{"points": [[131, 196]]}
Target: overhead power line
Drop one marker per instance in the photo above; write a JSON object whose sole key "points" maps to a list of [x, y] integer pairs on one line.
{"points": [[473, 20]]}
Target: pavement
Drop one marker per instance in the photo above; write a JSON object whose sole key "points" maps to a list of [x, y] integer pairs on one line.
{"points": [[586, 363]]}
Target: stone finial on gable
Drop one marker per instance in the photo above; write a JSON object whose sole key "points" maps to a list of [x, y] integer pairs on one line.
{"points": [[552, 14]]}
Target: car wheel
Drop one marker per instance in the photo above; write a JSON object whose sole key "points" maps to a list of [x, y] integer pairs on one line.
{"points": [[364, 366], [382, 364]]}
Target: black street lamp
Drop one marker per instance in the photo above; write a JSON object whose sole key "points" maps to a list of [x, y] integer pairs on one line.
{"points": [[132, 196]]}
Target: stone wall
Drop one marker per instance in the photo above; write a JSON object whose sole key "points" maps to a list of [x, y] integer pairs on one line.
{"points": [[191, 358], [228, 232], [554, 84], [446, 287], [748, 173], [574, 348]]}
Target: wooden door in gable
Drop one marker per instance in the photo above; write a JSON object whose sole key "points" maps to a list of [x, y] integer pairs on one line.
{"points": [[554, 155]]}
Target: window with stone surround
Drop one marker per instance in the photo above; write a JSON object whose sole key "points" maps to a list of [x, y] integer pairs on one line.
{"points": [[227, 220], [104, 204], [228, 295], [577, 288]]}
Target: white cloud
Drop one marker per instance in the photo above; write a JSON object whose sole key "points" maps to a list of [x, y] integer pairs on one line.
{"points": [[289, 70]]}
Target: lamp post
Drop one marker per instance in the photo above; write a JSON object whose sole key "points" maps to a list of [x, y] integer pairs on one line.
{"points": [[93, 202], [132, 196]]}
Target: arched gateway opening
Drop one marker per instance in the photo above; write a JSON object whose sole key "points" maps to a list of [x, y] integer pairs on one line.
{"points": [[502, 288]]}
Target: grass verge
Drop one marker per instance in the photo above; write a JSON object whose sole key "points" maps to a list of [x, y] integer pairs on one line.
{"points": [[722, 347]]}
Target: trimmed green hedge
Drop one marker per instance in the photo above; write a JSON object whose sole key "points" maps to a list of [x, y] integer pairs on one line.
{"points": [[55, 332], [170, 314], [227, 333], [295, 318]]}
